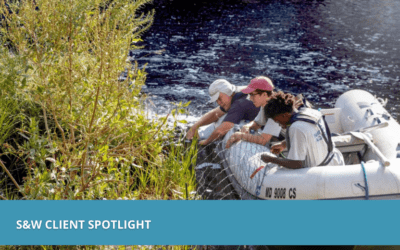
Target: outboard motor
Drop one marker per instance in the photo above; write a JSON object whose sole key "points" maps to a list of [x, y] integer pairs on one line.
{"points": [[360, 109]]}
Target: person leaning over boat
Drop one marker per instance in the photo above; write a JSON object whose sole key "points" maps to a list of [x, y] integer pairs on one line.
{"points": [[260, 90], [231, 102], [307, 136]]}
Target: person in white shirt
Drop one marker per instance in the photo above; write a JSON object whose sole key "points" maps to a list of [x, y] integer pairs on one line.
{"points": [[307, 136], [260, 91]]}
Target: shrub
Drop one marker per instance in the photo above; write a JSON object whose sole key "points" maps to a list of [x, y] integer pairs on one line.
{"points": [[85, 132]]}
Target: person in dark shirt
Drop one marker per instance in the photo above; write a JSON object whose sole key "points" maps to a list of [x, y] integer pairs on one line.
{"points": [[260, 91], [232, 102]]}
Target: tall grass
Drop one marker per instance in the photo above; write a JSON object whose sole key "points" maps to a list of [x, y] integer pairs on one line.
{"points": [[82, 133], [174, 178]]}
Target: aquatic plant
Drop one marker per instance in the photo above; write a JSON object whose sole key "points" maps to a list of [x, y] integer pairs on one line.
{"points": [[83, 132]]}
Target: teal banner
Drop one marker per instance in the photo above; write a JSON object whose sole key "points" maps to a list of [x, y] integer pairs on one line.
{"points": [[199, 222]]}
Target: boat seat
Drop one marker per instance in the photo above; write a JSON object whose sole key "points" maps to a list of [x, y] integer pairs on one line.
{"points": [[350, 146], [345, 144], [348, 143]]}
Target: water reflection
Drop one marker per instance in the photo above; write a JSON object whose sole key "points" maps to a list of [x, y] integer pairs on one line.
{"points": [[321, 48]]}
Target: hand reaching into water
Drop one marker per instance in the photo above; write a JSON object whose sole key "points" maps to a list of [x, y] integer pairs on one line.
{"points": [[191, 133]]}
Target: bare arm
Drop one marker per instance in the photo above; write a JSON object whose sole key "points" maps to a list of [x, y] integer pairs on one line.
{"points": [[218, 133], [206, 119], [293, 164], [258, 139]]}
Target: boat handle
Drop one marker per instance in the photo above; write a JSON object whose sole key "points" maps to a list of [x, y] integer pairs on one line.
{"points": [[377, 120], [386, 116], [371, 113]]}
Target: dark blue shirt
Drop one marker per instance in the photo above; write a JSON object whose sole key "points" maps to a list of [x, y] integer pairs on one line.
{"points": [[241, 109]]}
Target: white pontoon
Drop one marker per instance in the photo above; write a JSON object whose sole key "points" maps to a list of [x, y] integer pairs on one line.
{"points": [[368, 137]]}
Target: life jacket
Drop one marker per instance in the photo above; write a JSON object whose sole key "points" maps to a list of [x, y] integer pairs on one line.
{"points": [[301, 101], [318, 119]]}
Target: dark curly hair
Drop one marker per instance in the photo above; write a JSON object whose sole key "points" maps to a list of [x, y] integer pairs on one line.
{"points": [[280, 103]]}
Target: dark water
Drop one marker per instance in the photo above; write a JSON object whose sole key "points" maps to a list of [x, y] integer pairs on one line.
{"points": [[320, 48]]}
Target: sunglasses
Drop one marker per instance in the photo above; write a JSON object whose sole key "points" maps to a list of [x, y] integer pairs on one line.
{"points": [[254, 94]]}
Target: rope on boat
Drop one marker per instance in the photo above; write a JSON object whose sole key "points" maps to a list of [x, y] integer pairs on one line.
{"points": [[256, 171], [366, 181], [260, 182]]}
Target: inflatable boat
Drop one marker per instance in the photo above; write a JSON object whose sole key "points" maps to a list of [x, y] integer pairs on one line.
{"points": [[366, 134]]}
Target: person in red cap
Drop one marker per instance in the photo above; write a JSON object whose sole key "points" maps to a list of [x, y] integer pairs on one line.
{"points": [[260, 91], [232, 103]]}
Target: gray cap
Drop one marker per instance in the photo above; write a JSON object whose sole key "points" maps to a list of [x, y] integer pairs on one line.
{"points": [[220, 86]]}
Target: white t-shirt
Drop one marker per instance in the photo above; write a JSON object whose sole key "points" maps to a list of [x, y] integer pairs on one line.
{"points": [[271, 127], [308, 145]]}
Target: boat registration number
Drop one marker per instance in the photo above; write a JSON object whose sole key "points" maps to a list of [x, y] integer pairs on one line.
{"points": [[280, 193]]}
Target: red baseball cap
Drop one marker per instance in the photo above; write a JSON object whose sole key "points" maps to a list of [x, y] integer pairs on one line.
{"points": [[261, 83]]}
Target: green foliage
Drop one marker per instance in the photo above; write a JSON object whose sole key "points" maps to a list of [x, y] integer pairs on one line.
{"points": [[174, 178], [7, 119], [82, 133]]}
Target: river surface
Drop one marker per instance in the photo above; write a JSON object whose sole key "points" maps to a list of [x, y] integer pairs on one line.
{"points": [[319, 48]]}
